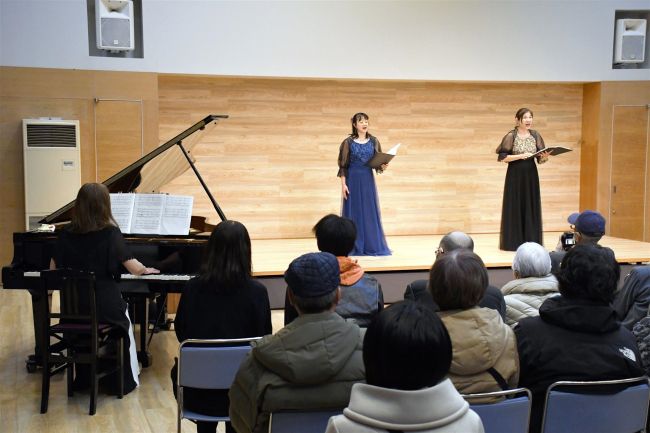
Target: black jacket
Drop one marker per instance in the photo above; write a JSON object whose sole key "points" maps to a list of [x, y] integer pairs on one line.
{"points": [[573, 339], [206, 312], [493, 298], [632, 301]]}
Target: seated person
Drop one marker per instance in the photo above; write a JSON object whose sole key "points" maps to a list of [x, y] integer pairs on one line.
{"points": [[533, 283], [93, 242], [484, 347], [361, 294], [223, 301], [632, 301], [418, 291], [407, 354], [588, 228], [311, 363], [577, 335]]}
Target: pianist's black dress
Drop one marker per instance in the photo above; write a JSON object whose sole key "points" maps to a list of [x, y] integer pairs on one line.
{"points": [[101, 252]]}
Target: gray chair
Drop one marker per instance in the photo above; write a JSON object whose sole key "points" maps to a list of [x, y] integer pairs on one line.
{"points": [[604, 406], [208, 364], [510, 415]]}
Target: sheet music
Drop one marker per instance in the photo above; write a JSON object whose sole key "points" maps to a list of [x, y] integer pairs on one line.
{"points": [[122, 209], [393, 150], [147, 213], [177, 215]]}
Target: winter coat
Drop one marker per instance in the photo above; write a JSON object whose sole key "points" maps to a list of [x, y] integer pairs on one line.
{"points": [[524, 296], [480, 342], [573, 339], [438, 409], [311, 363]]}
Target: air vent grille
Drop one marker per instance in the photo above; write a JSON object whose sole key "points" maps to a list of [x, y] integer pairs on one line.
{"points": [[51, 136]]}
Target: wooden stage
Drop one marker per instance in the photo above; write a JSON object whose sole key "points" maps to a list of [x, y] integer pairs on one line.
{"points": [[412, 258]]}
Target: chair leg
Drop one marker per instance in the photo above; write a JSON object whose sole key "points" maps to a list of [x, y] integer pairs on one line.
{"points": [[45, 387], [93, 387], [70, 373], [120, 367]]}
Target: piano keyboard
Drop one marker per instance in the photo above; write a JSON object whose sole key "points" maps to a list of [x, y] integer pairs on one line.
{"points": [[155, 277]]}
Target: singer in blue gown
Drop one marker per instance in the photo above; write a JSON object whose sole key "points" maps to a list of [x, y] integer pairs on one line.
{"points": [[360, 202]]}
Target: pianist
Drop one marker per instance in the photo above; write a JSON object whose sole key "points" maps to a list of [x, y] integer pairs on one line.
{"points": [[93, 242]]}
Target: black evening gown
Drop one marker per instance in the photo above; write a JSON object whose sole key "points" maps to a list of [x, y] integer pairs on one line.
{"points": [[102, 252], [521, 215]]}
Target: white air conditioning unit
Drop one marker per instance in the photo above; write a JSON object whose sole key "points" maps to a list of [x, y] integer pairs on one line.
{"points": [[51, 158], [114, 24], [629, 46]]}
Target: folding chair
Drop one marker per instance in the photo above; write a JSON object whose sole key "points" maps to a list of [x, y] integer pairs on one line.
{"points": [[510, 415], [597, 406], [301, 421], [208, 364], [78, 334]]}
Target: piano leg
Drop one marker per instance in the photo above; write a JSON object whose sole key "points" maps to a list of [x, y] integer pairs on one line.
{"points": [[40, 304], [140, 310]]}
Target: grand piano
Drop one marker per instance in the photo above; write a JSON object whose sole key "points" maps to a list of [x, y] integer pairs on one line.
{"points": [[177, 257]]}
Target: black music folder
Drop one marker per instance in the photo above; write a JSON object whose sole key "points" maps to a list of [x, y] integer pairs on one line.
{"points": [[383, 158]]}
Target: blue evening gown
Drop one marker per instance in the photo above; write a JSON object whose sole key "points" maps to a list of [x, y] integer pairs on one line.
{"points": [[362, 204]]}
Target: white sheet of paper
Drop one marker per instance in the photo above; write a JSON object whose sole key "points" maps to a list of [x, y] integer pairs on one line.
{"points": [[122, 210], [177, 215], [147, 213], [393, 150]]}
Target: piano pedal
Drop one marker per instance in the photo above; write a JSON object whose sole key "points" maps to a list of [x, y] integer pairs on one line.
{"points": [[34, 363]]}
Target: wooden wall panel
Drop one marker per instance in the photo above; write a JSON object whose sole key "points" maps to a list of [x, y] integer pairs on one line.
{"points": [[589, 149], [629, 150], [272, 165], [613, 94], [67, 94], [118, 136]]}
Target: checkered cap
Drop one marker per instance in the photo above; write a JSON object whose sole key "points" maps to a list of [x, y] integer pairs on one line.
{"points": [[312, 275]]}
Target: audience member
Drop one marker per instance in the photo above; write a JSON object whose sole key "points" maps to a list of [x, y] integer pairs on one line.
{"points": [[417, 290], [407, 354], [311, 363], [224, 301], [361, 294], [577, 335], [533, 283], [484, 347], [589, 228], [632, 301]]}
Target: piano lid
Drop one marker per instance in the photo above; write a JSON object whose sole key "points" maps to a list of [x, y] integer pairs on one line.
{"points": [[157, 168]]}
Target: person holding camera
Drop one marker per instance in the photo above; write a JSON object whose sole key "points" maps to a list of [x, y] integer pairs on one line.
{"points": [[588, 228]]}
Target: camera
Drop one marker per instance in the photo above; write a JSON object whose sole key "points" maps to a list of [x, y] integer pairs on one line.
{"points": [[568, 240]]}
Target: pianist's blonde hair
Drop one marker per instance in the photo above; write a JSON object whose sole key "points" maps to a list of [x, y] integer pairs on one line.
{"points": [[92, 209]]}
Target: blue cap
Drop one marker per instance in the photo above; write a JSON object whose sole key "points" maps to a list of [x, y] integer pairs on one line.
{"points": [[590, 223], [312, 275], [573, 217]]}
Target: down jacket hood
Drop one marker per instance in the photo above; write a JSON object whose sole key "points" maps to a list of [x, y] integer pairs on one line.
{"points": [[313, 355], [579, 315]]}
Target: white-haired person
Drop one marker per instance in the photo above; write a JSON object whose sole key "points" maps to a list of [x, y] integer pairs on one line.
{"points": [[533, 284]]}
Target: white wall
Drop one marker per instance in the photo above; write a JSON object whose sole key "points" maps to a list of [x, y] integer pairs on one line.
{"points": [[488, 40]]}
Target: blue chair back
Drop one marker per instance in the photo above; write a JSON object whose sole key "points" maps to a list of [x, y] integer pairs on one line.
{"points": [[301, 421], [572, 411], [511, 415], [208, 364]]}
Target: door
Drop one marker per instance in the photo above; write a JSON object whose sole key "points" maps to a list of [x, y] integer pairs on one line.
{"points": [[629, 172]]}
